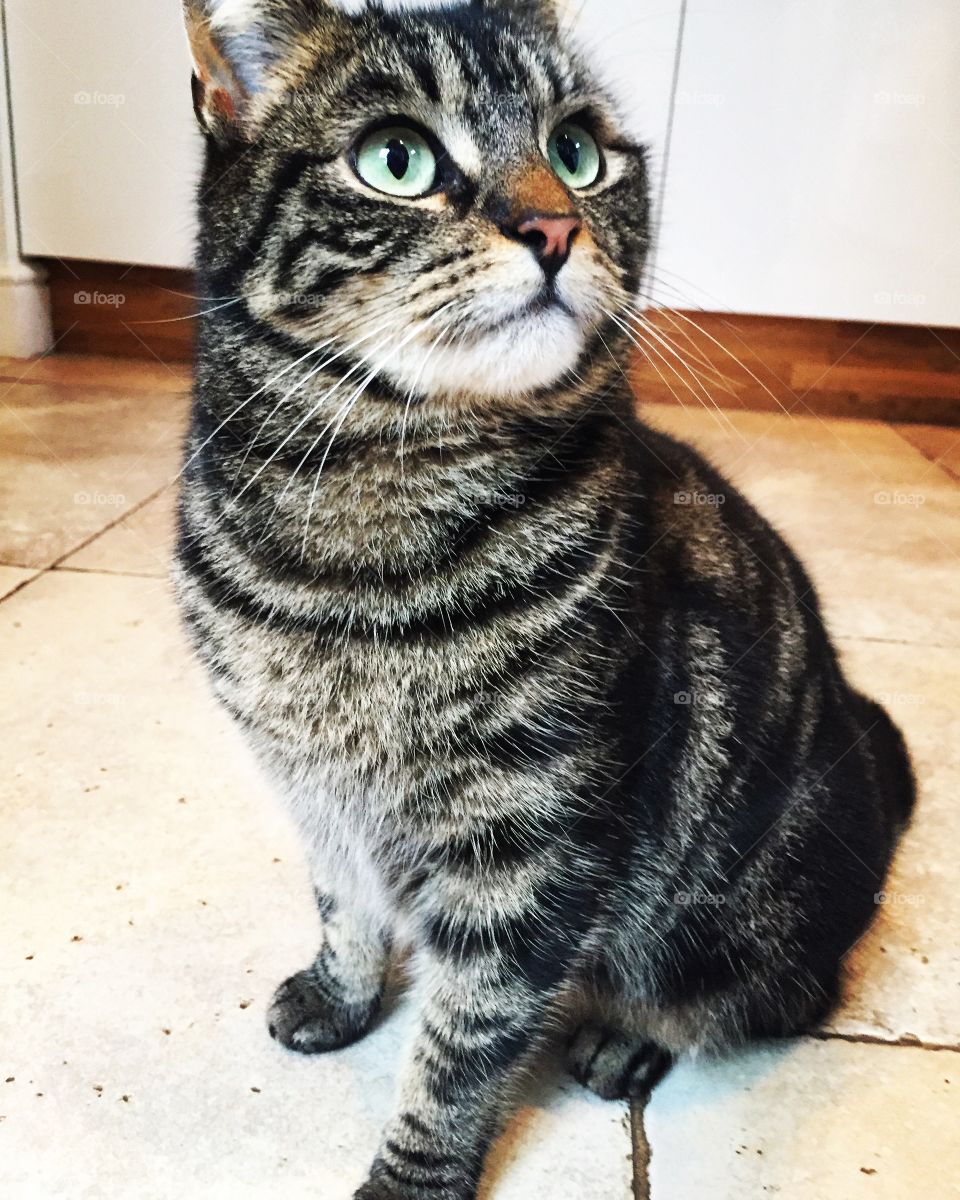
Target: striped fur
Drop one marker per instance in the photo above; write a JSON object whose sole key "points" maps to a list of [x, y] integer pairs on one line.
{"points": [[550, 702]]}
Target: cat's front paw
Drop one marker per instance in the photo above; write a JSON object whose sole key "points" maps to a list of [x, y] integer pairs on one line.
{"points": [[388, 1189], [381, 1186], [306, 1015]]}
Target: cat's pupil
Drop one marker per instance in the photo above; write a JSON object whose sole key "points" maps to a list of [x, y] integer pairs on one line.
{"points": [[569, 151], [398, 158]]}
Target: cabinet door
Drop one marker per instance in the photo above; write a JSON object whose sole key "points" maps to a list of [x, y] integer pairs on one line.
{"points": [[815, 160], [107, 147], [633, 45], [106, 143]]}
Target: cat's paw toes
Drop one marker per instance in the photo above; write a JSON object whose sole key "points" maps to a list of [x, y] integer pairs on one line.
{"points": [[388, 1189], [307, 1016], [381, 1188], [615, 1065], [414, 1181]]}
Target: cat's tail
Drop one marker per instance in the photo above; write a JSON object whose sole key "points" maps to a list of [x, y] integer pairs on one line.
{"points": [[894, 771]]}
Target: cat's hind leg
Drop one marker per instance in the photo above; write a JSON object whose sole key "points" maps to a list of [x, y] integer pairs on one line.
{"points": [[336, 999], [615, 1064]]}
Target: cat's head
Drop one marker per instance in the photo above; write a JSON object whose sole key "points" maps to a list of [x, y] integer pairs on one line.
{"points": [[445, 190]]}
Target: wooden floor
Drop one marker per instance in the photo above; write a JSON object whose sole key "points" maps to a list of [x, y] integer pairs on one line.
{"points": [[902, 373]]}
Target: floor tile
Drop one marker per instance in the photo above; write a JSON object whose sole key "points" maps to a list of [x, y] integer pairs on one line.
{"points": [[160, 896], [141, 544], [937, 443], [13, 577], [904, 976], [75, 460], [807, 1121], [876, 523]]}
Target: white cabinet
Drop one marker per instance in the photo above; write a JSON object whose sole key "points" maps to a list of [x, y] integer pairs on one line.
{"points": [[105, 137], [813, 168], [815, 160], [107, 146]]}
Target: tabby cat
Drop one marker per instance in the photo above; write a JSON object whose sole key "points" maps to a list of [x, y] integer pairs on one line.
{"points": [[550, 702]]}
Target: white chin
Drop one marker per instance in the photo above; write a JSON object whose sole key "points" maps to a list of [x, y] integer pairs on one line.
{"points": [[522, 356]]}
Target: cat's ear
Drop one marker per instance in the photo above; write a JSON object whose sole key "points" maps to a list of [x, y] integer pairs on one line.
{"points": [[245, 53]]}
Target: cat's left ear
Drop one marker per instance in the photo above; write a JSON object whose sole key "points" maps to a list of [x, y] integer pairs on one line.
{"points": [[246, 52]]}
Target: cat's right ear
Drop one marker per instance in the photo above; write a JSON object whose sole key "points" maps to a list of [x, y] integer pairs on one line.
{"points": [[221, 95], [245, 53]]}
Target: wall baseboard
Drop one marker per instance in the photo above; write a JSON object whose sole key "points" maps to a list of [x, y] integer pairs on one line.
{"points": [[25, 328], [903, 373], [123, 311]]}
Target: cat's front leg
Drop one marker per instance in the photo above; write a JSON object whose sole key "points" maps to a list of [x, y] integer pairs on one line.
{"points": [[334, 1001], [488, 988]]}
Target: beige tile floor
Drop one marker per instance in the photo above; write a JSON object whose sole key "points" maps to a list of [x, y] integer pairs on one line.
{"points": [[152, 895]]}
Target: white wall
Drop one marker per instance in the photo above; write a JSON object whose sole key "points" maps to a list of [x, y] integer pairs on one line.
{"points": [[24, 303]]}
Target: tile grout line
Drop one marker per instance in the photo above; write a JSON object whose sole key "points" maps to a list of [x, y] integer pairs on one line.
{"points": [[642, 1152], [107, 571], [641, 1149], [882, 641], [867, 1039], [928, 457], [53, 566], [23, 583]]}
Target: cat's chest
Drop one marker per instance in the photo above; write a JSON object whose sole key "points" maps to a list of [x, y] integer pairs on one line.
{"points": [[348, 703]]}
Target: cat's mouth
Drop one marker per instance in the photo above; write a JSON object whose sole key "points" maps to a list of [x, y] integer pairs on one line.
{"points": [[546, 301], [507, 344]]}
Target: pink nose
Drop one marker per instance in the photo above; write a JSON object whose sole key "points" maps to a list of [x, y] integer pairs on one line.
{"points": [[550, 239]]}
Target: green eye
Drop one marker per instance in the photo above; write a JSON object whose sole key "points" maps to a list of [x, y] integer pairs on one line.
{"points": [[397, 161], [574, 155]]}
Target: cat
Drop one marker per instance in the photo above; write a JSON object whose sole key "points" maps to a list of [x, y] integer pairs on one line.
{"points": [[550, 702]]}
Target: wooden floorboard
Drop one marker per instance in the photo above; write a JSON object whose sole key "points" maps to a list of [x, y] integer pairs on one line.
{"points": [[903, 373]]}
